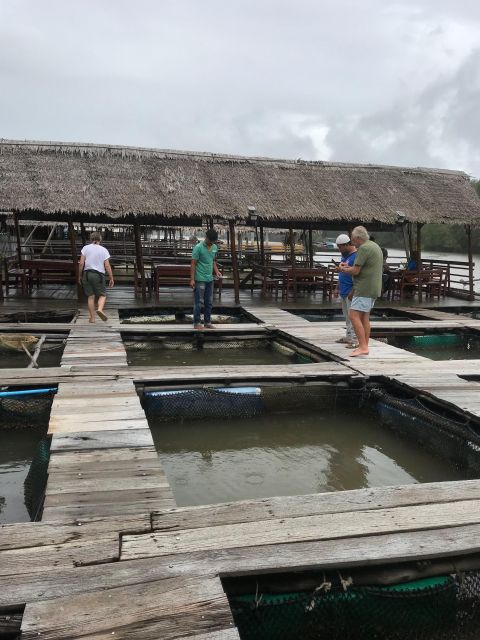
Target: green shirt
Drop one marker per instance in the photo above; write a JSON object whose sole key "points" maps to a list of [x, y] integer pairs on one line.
{"points": [[205, 257], [368, 283]]}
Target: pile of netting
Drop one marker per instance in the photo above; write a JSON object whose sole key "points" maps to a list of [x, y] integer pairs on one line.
{"points": [[177, 318], [246, 401], [439, 608], [36, 481], [182, 344], [445, 435], [28, 408]]}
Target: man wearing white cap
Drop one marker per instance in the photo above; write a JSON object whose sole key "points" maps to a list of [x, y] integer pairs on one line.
{"points": [[345, 285]]}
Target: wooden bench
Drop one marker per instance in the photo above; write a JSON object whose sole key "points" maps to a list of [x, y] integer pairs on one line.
{"points": [[175, 275]]}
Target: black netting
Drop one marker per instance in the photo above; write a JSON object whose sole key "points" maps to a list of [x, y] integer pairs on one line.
{"points": [[431, 609], [36, 480], [29, 409], [207, 402], [444, 435]]}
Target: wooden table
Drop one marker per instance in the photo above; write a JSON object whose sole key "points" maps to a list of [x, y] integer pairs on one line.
{"points": [[291, 278]]}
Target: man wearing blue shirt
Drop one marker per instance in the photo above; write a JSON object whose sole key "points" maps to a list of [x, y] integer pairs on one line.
{"points": [[345, 285]]}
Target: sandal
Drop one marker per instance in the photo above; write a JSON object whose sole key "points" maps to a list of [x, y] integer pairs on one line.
{"points": [[343, 341]]}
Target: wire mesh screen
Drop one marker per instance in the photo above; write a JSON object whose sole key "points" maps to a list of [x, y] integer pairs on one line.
{"points": [[431, 609], [26, 409], [36, 480]]}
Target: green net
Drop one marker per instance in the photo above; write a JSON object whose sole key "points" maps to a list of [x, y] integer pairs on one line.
{"points": [[429, 609], [36, 480], [436, 340]]}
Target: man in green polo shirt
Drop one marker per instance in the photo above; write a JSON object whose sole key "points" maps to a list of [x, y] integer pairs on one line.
{"points": [[202, 271], [367, 286]]}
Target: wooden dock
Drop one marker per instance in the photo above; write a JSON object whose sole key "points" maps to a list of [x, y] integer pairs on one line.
{"points": [[115, 557]]}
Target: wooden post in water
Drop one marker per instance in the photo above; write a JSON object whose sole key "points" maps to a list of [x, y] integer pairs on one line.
{"points": [[139, 259], [73, 247], [233, 251], [471, 286], [18, 239]]}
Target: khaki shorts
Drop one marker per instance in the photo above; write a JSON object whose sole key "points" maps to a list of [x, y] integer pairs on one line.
{"points": [[94, 283]]}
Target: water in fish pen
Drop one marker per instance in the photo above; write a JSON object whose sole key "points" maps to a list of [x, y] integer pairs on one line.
{"points": [[211, 350], [299, 445], [441, 346]]}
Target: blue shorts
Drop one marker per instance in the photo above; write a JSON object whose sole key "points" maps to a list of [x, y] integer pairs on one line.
{"points": [[364, 305]]}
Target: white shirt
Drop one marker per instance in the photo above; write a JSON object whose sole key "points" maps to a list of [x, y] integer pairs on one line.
{"points": [[95, 256]]}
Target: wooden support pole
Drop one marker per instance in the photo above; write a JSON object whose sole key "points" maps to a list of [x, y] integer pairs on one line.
{"points": [[18, 239], [310, 247], [233, 251], [139, 258], [471, 286], [262, 245], [83, 233], [36, 353], [292, 260], [73, 247], [419, 226]]}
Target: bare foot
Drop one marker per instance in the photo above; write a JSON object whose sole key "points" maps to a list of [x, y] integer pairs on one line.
{"points": [[102, 315], [359, 352], [92, 321]]}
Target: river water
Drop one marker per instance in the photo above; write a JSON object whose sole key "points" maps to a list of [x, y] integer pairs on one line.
{"points": [[17, 448], [291, 453]]}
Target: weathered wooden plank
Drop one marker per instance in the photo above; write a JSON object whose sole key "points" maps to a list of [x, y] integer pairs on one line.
{"points": [[64, 459], [304, 528], [61, 426], [43, 558], [37, 534], [58, 484], [65, 513], [102, 440], [315, 504], [144, 612]]}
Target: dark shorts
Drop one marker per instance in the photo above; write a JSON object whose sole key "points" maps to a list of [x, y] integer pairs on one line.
{"points": [[94, 283]]}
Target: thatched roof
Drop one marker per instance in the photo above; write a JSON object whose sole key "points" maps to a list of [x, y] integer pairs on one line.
{"points": [[85, 181]]}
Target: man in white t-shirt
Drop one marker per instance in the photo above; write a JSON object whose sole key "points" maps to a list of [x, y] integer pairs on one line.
{"points": [[94, 263]]}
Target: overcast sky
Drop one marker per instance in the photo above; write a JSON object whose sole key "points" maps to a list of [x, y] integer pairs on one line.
{"points": [[341, 80]]}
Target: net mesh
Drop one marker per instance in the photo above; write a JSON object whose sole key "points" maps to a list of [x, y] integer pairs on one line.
{"points": [[29, 410], [430, 609], [36, 480], [441, 434]]}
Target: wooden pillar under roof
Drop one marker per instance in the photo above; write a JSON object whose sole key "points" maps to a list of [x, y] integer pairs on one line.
{"points": [[471, 286], [310, 247], [83, 234], [262, 244], [139, 259], [418, 250], [233, 251], [18, 239], [73, 248], [292, 260]]}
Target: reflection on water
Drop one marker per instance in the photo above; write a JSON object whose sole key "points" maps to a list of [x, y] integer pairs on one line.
{"points": [[13, 359], [16, 452], [288, 454]]}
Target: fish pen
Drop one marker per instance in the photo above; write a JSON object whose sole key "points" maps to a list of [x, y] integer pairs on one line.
{"points": [[214, 348], [24, 451], [436, 345], [182, 315], [31, 317], [27, 350], [224, 443], [435, 600], [378, 314]]}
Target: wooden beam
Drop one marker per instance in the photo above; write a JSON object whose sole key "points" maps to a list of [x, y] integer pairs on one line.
{"points": [[233, 251], [310, 247], [262, 244], [471, 287], [419, 226], [83, 233], [73, 247], [139, 258], [292, 260]]}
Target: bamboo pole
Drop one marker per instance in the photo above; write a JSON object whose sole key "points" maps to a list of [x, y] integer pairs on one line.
{"points": [[233, 251], [36, 353], [139, 258]]}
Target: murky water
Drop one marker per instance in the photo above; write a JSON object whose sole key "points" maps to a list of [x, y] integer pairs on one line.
{"points": [[16, 452], [439, 347], [247, 352], [13, 359], [220, 460]]}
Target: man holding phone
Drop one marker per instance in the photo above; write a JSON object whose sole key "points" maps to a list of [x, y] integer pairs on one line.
{"points": [[345, 287]]}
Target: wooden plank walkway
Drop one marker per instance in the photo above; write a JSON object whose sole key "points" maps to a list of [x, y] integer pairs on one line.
{"points": [[113, 555]]}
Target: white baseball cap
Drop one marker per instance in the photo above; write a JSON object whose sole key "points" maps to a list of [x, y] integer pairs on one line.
{"points": [[342, 239]]}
